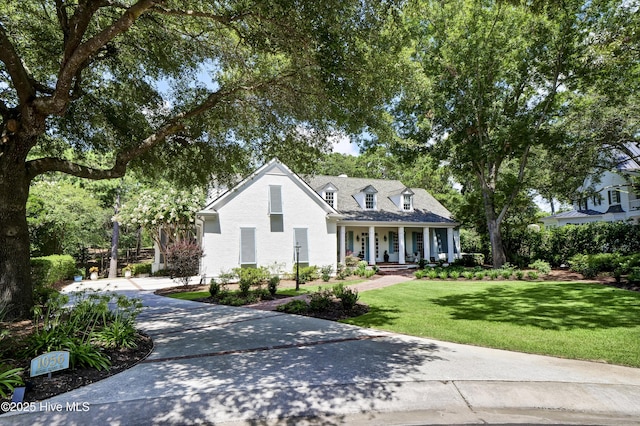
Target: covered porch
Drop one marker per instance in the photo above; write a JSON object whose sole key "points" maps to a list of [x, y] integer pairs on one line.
{"points": [[401, 244]]}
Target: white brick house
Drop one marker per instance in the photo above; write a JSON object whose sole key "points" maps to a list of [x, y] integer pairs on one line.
{"points": [[259, 222]]}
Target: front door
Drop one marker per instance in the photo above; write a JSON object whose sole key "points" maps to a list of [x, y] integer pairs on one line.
{"points": [[364, 245]]}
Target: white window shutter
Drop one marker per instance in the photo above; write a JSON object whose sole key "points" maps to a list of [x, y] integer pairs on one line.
{"points": [[300, 238], [275, 199], [248, 246]]}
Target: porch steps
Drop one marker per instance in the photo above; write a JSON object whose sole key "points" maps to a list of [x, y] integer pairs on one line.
{"points": [[396, 269]]}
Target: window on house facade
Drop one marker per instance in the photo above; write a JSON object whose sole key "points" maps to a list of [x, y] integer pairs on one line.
{"points": [[369, 201], [394, 243], [248, 246], [406, 202], [614, 197], [329, 197], [419, 243], [275, 199], [597, 201]]}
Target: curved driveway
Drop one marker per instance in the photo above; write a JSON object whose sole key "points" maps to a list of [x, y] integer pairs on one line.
{"points": [[217, 364]]}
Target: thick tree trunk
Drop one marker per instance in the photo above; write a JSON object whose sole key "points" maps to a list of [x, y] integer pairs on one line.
{"points": [[16, 295], [497, 248], [115, 238], [493, 225]]}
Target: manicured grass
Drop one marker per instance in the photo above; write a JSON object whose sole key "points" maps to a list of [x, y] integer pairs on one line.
{"points": [[190, 295], [565, 319]]}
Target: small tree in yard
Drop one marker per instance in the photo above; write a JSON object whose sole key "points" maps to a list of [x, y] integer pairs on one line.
{"points": [[184, 260]]}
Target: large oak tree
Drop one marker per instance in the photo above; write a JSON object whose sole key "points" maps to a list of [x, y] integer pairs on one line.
{"points": [[194, 88]]}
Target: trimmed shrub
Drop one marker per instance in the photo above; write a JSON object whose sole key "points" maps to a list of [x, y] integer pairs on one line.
{"points": [[454, 275], [48, 270], [541, 266], [351, 261], [326, 272], [558, 245], [468, 275], [348, 297], [214, 288], [251, 277], [321, 300], [443, 275], [141, 268], [432, 274], [274, 281], [294, 307], [419, 274], [307, 273]]}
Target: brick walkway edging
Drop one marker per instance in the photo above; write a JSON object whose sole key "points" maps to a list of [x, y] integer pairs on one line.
{"points": [[373, 284]]}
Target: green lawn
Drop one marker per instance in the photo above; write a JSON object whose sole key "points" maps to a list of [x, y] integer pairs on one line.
{"points": [[565, 319]]}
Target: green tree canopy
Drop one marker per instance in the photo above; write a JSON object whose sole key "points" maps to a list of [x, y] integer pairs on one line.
{"points": [[496, 82], [187, 89]]}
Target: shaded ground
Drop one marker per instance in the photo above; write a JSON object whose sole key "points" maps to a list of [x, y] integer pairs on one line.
{"points": [[41, 387]]}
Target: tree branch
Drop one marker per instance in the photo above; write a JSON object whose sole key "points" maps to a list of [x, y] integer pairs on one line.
{"points": [[15, 68], [78, 55], [63, 19], [123, 158]]}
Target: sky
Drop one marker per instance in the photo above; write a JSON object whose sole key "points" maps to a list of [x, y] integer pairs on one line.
{"points": [[343, 145]]}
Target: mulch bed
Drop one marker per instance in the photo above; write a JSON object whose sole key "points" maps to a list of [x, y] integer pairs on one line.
{"points": [[41, 387]]}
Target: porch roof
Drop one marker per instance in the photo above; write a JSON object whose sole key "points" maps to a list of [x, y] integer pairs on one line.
{"points": [[415, 216]]}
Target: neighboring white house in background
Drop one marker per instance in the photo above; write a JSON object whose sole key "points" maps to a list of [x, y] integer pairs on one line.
{"points": [[612, 198], [261, 220]]}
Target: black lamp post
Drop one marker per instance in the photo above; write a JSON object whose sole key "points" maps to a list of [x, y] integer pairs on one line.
{"points": [[297, 247]]}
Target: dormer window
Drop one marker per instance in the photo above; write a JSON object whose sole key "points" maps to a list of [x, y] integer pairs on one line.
{"points": [[369, 201], [406, 202], [614, 197], [330, 198], [367, 198], [329, 193]]}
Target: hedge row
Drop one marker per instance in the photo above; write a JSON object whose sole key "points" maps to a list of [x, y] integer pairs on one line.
{"points": [[558, 245], [48, 270]]}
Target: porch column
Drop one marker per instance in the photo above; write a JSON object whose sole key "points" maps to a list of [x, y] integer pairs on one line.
{"points": [[401, 249], [450, 258], [456, 238], [372, 245], [343, 243], [427, 244]]}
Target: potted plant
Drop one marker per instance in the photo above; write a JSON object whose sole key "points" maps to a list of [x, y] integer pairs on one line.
{"points": [[94, 272], [127, 271], [77, 277]]}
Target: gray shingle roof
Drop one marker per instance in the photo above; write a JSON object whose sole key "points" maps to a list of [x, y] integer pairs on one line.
{"points": [[426, 208], [575, 214]]}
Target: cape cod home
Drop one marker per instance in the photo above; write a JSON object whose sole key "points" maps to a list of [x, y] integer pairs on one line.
{"points": [[612, 197], [273, 213]]}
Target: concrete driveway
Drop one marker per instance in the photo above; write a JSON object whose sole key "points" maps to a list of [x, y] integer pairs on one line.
{"points": [[216, 364]]}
